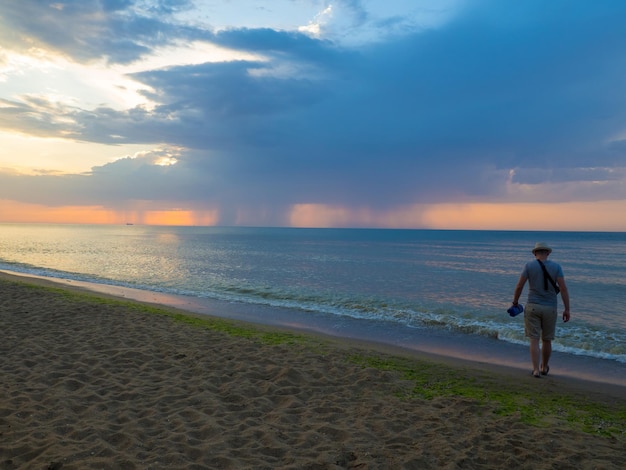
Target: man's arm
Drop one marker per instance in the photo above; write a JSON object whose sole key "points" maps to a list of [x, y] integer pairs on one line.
{"points": [[519, 288], [565, 296]]}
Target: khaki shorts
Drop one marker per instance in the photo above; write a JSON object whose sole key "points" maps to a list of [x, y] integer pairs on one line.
{"points": [[540, 321]]}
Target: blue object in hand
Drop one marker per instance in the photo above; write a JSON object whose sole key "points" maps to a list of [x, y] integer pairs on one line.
{"points": [[515, 310]]}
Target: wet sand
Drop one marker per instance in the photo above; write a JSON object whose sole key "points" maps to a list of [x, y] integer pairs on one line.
{"points": [[92, 383]]}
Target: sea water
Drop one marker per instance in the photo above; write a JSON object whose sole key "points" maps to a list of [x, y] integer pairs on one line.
{"points": [[426, 280]]}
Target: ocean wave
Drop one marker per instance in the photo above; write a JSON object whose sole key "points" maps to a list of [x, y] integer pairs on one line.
{"points": [[583, 340]]}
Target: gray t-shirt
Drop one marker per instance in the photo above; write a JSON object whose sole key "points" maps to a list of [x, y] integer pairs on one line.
{"points": [[537, 294]]}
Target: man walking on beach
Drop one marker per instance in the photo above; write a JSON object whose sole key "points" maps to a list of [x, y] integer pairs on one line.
{"points": [[545, 281]]}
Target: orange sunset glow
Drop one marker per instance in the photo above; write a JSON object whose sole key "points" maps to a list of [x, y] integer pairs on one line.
{"points": [[15, 212], [600, 216]]}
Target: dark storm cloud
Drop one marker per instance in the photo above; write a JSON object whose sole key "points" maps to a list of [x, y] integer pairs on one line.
{"points": [[120, 31], [524, 92], [136, 178], [297, 45]]}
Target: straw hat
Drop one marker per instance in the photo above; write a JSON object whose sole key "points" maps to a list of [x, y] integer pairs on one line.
{"points": [[541, 246]]}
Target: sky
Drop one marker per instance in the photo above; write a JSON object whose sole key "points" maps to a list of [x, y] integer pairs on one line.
{"points": [[441, 114]]}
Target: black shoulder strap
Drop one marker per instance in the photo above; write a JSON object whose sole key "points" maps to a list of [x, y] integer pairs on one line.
{"points": [[547, 277]]}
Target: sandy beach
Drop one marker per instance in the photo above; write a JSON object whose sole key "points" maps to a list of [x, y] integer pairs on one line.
{"points": [[91, 382]]}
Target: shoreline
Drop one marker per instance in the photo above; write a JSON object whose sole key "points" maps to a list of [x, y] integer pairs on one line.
{"points": [[94, 380], [482, 353]]}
